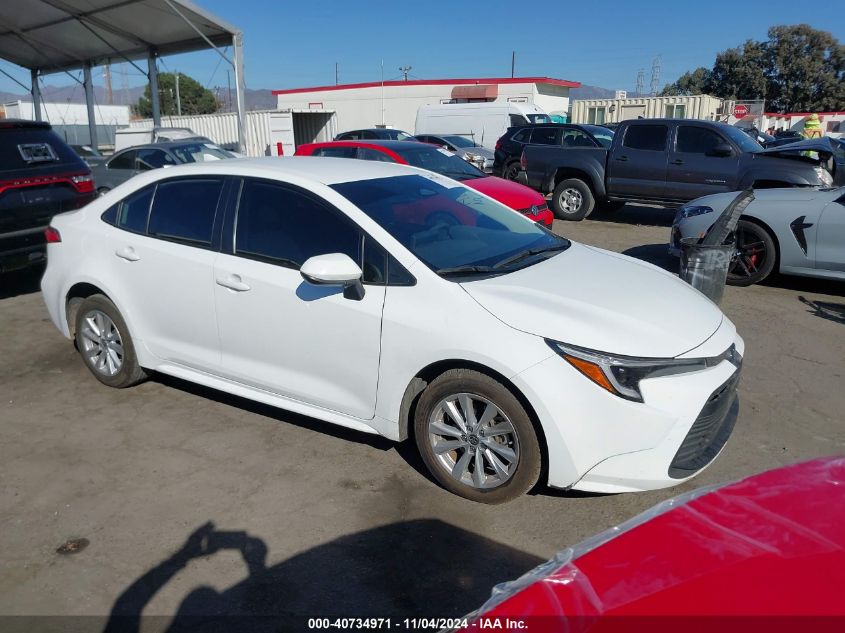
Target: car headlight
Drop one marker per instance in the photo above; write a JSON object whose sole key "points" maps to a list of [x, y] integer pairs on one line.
{"points": [[824, 175], [690, 211], [621, 375]]}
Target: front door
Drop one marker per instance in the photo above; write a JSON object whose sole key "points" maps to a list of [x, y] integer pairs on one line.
{"points": [[278, 332], [694, 170], [830, 237], [637, 167]]}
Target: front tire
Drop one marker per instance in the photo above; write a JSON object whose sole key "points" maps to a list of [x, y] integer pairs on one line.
{"points": [[476, 438], [573, 200], [103, 341], [755, 255]]}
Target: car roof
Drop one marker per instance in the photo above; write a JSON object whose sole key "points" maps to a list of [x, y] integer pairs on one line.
{"points": [[168, 144], [317, 169], [24, 123]]}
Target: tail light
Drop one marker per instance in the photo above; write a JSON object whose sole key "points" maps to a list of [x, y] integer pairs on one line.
{"points": [[499, 144], [52, 235], [522, 160], [83, 183]]}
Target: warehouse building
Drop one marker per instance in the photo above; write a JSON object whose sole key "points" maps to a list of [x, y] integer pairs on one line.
{"points": [[676, 107], [395, 103]]}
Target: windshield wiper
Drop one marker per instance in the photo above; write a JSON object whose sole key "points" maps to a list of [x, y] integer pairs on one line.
{"points": [[529, 253], [467, 270]]}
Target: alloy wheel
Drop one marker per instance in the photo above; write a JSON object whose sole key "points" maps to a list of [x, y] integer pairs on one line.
{"points": [[101, 343], [749, 256], [571, 200], [473, 440]]}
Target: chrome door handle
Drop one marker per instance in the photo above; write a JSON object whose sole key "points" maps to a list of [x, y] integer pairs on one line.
{"points": [[233, 282], [128, 253]]}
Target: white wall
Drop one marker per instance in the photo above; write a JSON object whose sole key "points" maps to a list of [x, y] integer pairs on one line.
{"points": [[695, 106], [362, 107], [68, 113]]}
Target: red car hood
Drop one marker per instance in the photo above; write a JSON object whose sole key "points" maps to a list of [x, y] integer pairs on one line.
{"points": [[509, 193]]}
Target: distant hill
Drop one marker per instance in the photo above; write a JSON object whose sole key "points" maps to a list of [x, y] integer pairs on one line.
{"points": [[591, 92]]}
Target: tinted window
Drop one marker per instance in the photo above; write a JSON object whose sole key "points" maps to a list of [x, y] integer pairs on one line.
{"points": [[647, 137], [153, 159], [375, 262], [131, 212], [373, 154], [347, 136], [544, 136], [697, 140], [517, 119], [126, 160], [576, 138], [438, 160], [284, 226], [522, 136], [183, 210], [369, 134], [337, 152]]}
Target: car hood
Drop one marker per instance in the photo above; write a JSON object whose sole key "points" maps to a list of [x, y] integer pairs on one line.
{"points": [[823, 144], [478, 151], [719, 201], [602, 301], [507, 192]]}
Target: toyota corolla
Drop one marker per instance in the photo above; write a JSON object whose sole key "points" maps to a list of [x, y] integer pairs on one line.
{"points": [[507, 353]]}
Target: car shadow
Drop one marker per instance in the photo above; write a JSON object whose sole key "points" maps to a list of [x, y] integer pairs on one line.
{"points": [[657, 254], [421, 568], [636, 214], [824, 309], [21, 282]]}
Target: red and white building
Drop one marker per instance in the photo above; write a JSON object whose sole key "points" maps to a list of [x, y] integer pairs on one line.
{"points": [[395, 103], [832, 123]]}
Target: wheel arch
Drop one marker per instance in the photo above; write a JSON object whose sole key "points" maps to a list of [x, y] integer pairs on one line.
{"points": [[428, 373], [768, 229], [74, 297], [564, 173]]}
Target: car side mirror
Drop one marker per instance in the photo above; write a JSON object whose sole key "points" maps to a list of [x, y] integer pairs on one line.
{"points": [[721, 150], [334, 269]]}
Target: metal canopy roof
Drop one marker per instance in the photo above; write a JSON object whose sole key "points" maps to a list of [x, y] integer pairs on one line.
{"points": [[55, 35]]}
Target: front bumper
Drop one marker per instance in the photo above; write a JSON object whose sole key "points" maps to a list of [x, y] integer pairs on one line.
{"points": [[599, 442]]}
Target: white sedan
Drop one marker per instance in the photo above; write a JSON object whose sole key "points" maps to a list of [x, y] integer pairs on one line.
{"points": [[391, 300]]}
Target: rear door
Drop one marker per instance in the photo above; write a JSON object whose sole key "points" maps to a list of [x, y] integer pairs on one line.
{"points": [[694, 170], [637, 165]]}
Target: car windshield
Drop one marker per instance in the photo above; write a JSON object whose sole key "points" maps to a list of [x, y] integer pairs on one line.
{"points": [[459, 141], [439, 161], [745, 142], [454, 230], [200, 152], [602, 134], [539, 118]]}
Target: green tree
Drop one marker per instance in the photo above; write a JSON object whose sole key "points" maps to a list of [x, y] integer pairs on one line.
{"points": [[741, 73], [194, 98], [696, 82]]}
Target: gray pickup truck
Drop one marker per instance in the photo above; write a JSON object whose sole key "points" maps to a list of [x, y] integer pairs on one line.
{"points": [[669, 162]]}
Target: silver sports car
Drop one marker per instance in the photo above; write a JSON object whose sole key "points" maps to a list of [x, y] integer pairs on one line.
{"points": [[801, 231]]}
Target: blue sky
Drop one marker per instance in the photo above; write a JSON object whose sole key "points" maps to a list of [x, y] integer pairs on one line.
{"points": [[295, 44]]}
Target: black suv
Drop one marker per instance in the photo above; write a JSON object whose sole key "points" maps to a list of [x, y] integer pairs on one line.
{"points": [[40, 176], [509, 147]]}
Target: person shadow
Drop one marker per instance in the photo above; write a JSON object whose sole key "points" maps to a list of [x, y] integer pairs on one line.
{"points": [[420, 568]]}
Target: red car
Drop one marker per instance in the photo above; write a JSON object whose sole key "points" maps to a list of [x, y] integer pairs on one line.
{"points": [[512, 194], [763, 554]]}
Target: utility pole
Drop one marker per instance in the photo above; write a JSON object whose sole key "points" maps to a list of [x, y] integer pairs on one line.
{"points": [[178, 99], [228, 92], [382, 93], [336, 74], [107, 84], [513, 62], [640, 81], [404, 70]]}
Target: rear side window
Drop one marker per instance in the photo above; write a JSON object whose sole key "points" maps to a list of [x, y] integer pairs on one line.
{"points": [[336, 152], [126, 160], [373, 154], [522, 136], [646, 137], [283, 226], [697, 140], [183, 210], [544, 136]]}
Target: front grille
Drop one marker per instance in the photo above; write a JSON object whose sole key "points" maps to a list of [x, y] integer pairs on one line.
{"points": [[709, 432]]}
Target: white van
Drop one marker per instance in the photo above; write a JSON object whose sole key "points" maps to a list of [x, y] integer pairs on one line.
{"points": [[484, 123]]}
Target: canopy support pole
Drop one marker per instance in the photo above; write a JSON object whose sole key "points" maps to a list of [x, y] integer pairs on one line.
{"points": [[36, 95], [89, 102], [154, 96], [240, 88]]}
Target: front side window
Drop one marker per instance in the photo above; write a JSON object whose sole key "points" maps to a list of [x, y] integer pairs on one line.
{"points": [[646, 137], [126, 160], [448, 226], [153, 159], [366, 153], [697, 140], [184, 210], [200, 153], [595, 115], [544, 136], [283, 226], [336, 152]]}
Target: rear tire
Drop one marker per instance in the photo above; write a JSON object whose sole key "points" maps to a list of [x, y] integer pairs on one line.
{"points": [[105, 345], [511, 170], [493, 455], [573, 200], [755, 255]]}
